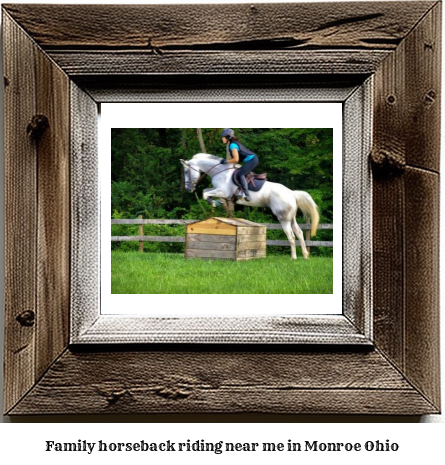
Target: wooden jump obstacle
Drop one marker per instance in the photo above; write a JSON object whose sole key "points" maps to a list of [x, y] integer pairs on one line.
{"points": [[225, 239]]}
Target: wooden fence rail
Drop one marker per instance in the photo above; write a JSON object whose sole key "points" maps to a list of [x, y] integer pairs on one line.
{"points": [[141, 238]]}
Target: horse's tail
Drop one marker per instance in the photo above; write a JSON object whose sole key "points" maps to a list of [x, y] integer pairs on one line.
{"points": [[309, 208]]}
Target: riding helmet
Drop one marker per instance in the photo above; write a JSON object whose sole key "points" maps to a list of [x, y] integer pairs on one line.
{"points": [[228, 133]]}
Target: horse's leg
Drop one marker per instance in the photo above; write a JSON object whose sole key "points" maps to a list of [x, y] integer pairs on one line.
{"points": [[211, 201], [209, 193], [287, 228], [216, 192], [299, 233]]}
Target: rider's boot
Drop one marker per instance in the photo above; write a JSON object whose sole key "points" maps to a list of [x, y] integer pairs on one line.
{"points": [[245, 189]]}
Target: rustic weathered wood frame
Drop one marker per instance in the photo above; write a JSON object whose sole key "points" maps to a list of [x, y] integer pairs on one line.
{"points": [[76, 56]]}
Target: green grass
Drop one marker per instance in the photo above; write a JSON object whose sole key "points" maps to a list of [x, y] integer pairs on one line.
{"points": [[145, 273]]}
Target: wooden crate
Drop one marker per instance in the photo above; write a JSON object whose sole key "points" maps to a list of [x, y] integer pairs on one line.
{"points": [[225, 239]]}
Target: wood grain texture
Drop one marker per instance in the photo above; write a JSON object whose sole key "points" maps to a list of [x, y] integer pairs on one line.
{"points": [[20, 212], [388, 201], [212, 254], [226, 239], [209, 62], [357, 209], [85, 211], [406, 205], [208, 240], [388, 268], [231, 332], [209, 39], [53, 200], [423, 91], [220, 381], [220, 88], [38, 176], [422, 364], [348, 25], [407, 113]]}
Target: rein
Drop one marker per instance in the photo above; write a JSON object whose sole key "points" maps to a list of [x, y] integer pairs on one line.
{"points": [[205, 173]]}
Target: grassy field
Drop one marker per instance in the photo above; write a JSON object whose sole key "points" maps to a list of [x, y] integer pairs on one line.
{"points": [[144, 273]]}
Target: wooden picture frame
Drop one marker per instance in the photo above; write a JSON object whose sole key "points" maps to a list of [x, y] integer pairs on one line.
{"points": [[274, 322], [75, 57]]}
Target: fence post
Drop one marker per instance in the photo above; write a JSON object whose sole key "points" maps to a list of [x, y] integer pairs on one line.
{"points": [[141, 233]]}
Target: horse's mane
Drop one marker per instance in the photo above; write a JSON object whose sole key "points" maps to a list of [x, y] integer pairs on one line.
{"points": [[207, 156]]}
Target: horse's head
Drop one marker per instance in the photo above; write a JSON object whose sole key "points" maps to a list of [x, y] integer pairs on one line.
{"points": [[192, 174]]}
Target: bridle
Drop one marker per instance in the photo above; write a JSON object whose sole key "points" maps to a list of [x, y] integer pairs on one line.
{"points": [[193, 184]]}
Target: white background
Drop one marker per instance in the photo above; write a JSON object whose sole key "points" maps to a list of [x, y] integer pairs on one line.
{"points": [[219, 115], [21, 442]]}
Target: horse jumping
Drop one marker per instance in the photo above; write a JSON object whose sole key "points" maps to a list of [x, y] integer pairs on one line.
{"points": [[283, 202]]}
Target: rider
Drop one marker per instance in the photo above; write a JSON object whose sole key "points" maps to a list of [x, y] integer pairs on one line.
{"points": [[239, 153]]}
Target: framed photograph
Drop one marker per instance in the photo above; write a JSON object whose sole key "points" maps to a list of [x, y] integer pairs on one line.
{"points": [[71, 348], [245, 313]]}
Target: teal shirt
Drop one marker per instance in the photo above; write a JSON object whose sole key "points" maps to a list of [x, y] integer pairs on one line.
{"points": [[244, 157]]}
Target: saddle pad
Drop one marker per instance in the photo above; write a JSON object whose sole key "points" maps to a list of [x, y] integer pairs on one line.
{"points": [[259, 183]]}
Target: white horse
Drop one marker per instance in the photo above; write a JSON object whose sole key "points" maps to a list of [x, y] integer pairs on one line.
{"points": [[282, 201]]}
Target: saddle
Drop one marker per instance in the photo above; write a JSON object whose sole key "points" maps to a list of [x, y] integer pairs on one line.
{"points": [[250, 179]]}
